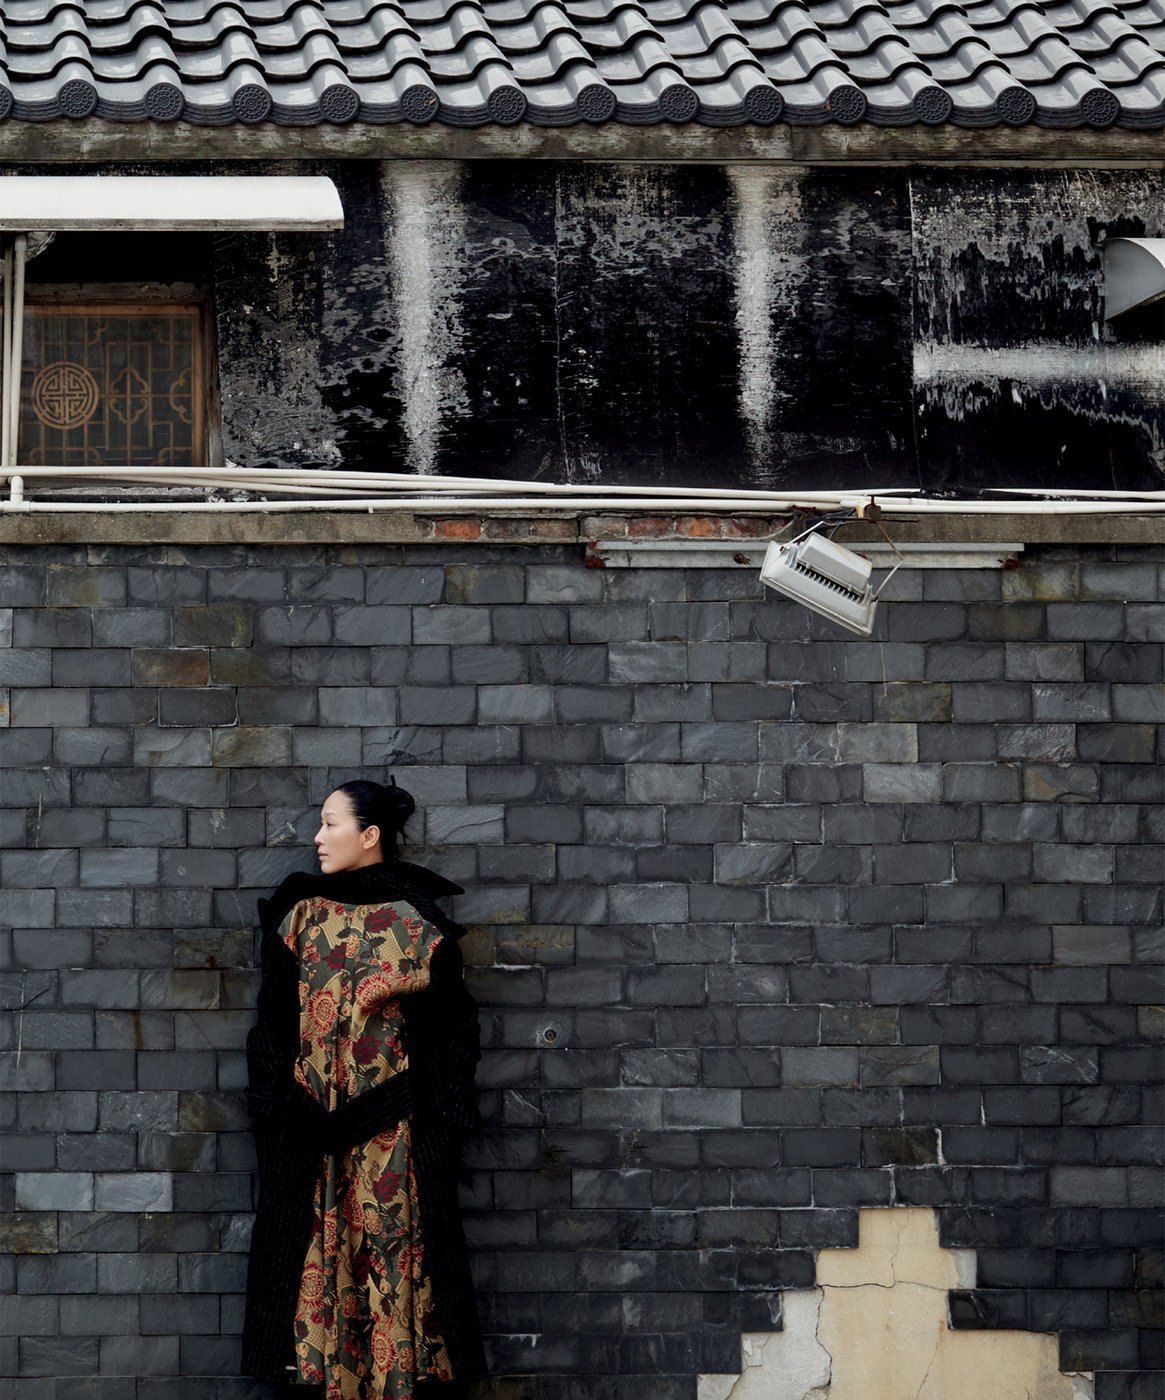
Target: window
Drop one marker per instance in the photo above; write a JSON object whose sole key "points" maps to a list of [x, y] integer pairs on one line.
{"points": [[107, 351], [113, 384], [117, 365]]}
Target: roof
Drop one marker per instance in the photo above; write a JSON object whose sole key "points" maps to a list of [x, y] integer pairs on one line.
{"points": [[981, 63]]}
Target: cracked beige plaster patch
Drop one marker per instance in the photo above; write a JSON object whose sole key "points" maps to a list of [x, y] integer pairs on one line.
{"points": [[875, 1328]]}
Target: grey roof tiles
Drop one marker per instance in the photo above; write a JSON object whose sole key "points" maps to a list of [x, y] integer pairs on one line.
{"points": [[980, 63]]}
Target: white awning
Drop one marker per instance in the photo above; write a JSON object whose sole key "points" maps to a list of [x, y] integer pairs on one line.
{"points": [[95, 203]]}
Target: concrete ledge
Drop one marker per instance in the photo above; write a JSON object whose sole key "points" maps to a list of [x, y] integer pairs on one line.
{"points": [[402, 527]]}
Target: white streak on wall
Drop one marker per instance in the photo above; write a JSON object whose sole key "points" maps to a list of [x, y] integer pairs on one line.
{"points": [[1042, 362], [753, 196], [426, 239], [768, 272]]}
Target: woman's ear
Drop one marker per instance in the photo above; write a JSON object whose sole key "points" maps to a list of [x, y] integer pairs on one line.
{"points": [[370, 837]]}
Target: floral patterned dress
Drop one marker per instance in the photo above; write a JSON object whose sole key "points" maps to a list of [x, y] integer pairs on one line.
{"points": [[364, 1324]]}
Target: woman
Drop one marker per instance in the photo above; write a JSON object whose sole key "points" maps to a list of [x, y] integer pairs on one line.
{"points": [[361, 1083]]}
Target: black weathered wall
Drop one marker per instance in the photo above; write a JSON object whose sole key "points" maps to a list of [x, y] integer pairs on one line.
{"points": [[769, 924], [701, 324], [685, 324]]}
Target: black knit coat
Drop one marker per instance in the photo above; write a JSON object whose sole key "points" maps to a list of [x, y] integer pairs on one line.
{"points": [[294, 1133]]}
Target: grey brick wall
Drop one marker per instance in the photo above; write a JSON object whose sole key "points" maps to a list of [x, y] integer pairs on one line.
{"points": [[768, 925]]}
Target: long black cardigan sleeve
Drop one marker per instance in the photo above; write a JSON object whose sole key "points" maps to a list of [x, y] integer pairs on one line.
{"points": [[293, 1132]]}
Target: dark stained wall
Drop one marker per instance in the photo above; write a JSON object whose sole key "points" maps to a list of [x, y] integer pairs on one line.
{"points": [[1015, 370], [782, 327]]}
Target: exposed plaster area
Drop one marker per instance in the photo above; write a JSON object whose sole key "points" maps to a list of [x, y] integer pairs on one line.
{"points": [[876, 1328]]}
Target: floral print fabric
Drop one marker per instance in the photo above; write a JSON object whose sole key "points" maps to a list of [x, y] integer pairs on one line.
{"points": [[364, 1325]]}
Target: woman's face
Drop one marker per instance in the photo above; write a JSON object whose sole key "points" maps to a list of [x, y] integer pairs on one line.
{"points": [[340, 844]]}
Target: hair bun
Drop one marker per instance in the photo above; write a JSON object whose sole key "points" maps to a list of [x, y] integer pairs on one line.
{"points": [[400, 802]]}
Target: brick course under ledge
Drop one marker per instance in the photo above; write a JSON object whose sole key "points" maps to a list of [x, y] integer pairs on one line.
{"points": [[769, 924]]}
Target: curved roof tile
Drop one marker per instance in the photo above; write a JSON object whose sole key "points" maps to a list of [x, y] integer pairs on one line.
{"points": [[979, 63]]}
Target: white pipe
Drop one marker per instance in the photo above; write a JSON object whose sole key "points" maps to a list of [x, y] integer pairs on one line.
{"points": [[500, 495], [410, 505], [316, 480], [446, 506], [6, 454], [260, 478], [20, 252], [408, 492], [1045, 491]]}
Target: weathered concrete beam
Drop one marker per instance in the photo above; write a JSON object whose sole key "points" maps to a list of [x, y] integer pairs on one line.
{"points": [[97, 140], [403, 527]]}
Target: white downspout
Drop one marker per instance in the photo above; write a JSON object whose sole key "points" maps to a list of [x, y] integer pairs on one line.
{"points": [[14, 265], [6, 362]]}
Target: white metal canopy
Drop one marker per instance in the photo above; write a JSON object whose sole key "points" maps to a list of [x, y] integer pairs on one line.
{"points": [[92, 203]]}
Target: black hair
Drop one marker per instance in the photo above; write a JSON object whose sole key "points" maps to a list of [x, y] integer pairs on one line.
{"points": [[388, 808]]}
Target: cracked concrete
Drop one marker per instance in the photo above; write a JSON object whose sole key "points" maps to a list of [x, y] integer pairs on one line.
{"points": [[875, 1328]]}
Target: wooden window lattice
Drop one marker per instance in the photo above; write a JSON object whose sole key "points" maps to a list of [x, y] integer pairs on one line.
{"points": [[115, 385]]}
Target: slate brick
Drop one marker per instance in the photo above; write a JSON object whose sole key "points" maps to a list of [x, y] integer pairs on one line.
{"points": [[967, 661], [899, 1146], [21, 666], [899, 1064], [22, 586], [816, 904], [848, 1108], [439, 624], [946, 743], [905, 782], [1085, 621], [732, 661], [1044, 661], [805, 1066], [61, 1357], [293, 626], [561, 584], [37, 869], [1135, 1064], [1123, 662], [54, 627], [974, 703], [874, 906], [917, 863], [50, 708], [1062, 904], [820, 1229], [91, 666], [779, 1025], [55, 1191]]}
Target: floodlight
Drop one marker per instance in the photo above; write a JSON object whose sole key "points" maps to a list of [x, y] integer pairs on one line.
{"points": [[825, 577]]}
